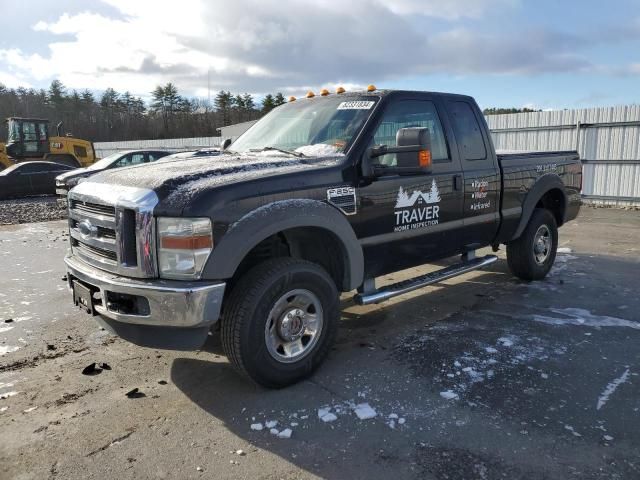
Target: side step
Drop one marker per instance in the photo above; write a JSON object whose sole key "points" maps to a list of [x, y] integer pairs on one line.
{"points": [[406, 286]]}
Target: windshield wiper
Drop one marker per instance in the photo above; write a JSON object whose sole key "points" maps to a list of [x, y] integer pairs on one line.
{"points": [[288, 152]]}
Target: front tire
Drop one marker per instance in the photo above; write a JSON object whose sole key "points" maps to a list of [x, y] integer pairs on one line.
{"points": [[531, 256], [281, 321]]}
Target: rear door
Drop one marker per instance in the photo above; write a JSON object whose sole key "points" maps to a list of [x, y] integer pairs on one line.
{"points": [[481, 173], [421, 214]]}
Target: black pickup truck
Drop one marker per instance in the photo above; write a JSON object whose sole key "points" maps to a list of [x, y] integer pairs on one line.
{"points": [[321, 196]]}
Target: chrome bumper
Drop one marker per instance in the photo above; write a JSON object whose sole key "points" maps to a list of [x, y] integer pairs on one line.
{"points": [[171, 303], [62, 191]]}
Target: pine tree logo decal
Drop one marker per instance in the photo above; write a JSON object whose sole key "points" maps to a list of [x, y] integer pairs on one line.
{"points": [[418, 209], [405, 200]]}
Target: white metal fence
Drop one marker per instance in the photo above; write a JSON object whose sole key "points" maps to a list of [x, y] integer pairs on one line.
{"points": [[104, 149], [607, 138]]}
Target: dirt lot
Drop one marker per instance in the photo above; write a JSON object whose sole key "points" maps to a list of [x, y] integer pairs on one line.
{"points": [[479, 377]]}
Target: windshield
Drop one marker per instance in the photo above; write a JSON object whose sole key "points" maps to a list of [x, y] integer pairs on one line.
{"points": [[309, 127], [105, 162]]}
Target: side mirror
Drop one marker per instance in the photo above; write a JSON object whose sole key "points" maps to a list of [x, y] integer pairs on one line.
{"points": [[413, 153], [226, 143], [418, 138]]}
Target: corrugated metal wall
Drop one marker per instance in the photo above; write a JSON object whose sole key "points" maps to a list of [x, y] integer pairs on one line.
{"points": [[172, 144], [608, 142]]}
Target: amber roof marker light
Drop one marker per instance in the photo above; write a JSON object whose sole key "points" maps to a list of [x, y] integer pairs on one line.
{"points": [[371, 88], [340, 90], [310, 94], [324, 92], [292, 98]]}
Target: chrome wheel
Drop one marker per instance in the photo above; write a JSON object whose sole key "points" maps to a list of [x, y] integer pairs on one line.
{"points": [[542, 244], [294, 326]]}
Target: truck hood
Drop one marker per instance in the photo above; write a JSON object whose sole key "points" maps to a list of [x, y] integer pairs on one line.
{"points": [[177, 183]]}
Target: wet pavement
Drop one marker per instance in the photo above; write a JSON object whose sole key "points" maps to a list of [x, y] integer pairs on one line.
{"points": [[482, 376]]}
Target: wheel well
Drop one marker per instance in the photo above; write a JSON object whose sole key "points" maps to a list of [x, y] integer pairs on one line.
{"points": [[314, 244], [554, 201]]}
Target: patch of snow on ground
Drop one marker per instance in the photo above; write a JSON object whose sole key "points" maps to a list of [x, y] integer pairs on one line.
{"points": [[610, 388], [449, 395], [505, 342], [325, 415], [564, 250], [571, 429], [286, 433], [6, 395], [256, 426], [4, 349], [582, 317], [364, 411]]}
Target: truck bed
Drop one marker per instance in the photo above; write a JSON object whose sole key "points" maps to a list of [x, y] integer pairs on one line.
{"points": [[522, 171]]}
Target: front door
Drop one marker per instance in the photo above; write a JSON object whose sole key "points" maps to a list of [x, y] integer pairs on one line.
{"points": [[407, 220]]}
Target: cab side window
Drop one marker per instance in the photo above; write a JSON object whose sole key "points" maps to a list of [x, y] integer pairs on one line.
{"points": [[411, 113], [467, 131]]}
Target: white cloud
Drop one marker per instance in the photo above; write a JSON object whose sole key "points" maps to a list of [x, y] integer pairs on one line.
{"points": [[449, 9], [295, 45]]}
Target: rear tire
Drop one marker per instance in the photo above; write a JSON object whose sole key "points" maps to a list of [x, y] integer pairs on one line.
{"points": [[531, 256], [69, 160], [280, 321]]}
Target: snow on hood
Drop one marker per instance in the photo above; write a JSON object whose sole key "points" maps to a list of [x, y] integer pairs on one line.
{"points": [[179, 181]]}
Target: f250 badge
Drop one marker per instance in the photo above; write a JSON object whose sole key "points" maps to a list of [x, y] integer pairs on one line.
{"points": [[343, 198], [417, 210]]}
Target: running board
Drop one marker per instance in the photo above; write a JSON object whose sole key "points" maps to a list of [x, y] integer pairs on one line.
{"points": [[406, 286]]}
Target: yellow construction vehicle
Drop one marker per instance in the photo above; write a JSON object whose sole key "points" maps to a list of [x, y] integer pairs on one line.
{"points": [[29, 139]]}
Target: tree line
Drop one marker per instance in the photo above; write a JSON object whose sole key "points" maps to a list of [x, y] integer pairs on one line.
{"points": [[115, 116]]}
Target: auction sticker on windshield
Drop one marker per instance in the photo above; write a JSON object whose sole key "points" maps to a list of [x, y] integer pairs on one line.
{"points": [[356, 105]]}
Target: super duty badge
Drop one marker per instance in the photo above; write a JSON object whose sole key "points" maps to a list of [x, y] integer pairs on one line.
{"points": [[343, 198]]}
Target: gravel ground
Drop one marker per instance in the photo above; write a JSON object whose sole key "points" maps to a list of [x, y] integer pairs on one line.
{"points": [[27, 210], [480, 377]]}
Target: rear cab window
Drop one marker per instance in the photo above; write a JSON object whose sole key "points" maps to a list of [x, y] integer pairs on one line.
{"points": [[467, 131]]}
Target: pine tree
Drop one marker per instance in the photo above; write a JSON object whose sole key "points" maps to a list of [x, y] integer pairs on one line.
{"points": [[223, 104], [279, 99], [249, 104], [268, 103], [57, 92]]}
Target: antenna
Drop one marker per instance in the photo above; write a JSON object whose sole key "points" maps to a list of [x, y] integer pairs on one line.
{"points": [[208, 89]]}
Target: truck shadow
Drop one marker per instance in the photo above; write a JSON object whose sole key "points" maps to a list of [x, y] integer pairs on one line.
{"points": [[384, 349]]}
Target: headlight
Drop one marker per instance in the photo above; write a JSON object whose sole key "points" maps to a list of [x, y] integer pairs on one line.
{"points": [[184, 244]]}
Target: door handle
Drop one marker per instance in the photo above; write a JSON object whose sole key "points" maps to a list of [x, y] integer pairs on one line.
{"points": [[457, 182]]}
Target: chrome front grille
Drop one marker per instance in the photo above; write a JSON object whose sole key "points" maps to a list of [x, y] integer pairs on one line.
{"points": [[93, 209], [112, 228]]}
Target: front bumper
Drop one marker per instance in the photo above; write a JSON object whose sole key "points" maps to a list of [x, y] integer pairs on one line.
{"points": [[62, 191], [182, 305]]}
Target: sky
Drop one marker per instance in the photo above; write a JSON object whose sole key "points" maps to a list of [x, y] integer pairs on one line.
{"points": [[547, 54]]}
